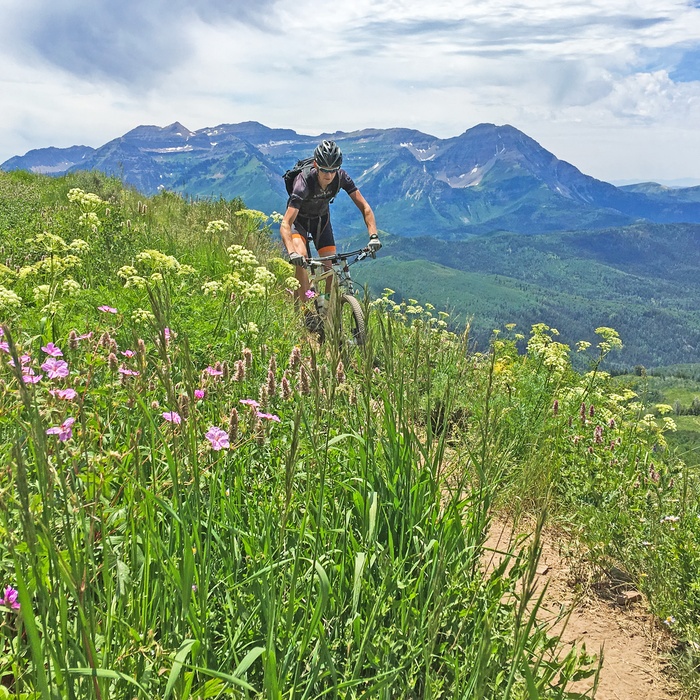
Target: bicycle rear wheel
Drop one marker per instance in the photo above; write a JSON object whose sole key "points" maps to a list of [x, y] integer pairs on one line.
{"points": [[352, 320]]}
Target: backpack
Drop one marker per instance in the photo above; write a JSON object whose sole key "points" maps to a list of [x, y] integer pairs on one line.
{"points": [[304, 166]]}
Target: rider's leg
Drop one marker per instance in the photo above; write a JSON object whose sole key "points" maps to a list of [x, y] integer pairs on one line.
{"points": [[325, 247], [301, 246]]}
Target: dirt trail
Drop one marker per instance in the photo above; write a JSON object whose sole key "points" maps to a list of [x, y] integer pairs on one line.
{"points": [[632, 661]]}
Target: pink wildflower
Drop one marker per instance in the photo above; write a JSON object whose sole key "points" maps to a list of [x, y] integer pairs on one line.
{"points": [[218, 438], [107, 309], [309, 293], [128, 353], [4, 346], [213, 372], [172, 417], [250, 402], [55, 369], [64, 431], [29, 377], [128, 372], [65, 394], [199, 394], [9, 600], [51, 350], [268, 416]]}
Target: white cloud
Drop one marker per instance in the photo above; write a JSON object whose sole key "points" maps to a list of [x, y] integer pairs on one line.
{"points": [[556, 71]]}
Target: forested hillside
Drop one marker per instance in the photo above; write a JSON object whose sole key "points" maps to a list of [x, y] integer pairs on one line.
{"points": [[642, 280]]}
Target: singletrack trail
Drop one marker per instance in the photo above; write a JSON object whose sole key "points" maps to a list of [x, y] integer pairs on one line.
{"points": [[632, 641]]}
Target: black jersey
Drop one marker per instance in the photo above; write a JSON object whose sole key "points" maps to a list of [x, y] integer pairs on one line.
{"points": [[312, 201]]}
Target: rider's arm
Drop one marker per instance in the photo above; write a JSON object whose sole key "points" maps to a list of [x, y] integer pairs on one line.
{"points": [[367, 213], [286, 228]]}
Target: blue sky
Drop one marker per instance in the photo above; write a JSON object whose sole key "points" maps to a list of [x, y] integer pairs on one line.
{"points": [[612, 86]]}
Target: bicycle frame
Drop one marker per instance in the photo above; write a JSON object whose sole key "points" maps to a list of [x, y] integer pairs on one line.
{"points": [[338, 271]]}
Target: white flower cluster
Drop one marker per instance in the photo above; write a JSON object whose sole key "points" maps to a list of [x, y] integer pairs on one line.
{"points": [[217, 226], [86, 200], [9, 301], [142, 316]]}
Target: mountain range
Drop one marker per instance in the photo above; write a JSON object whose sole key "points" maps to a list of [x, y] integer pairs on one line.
{"points": [[488, 179]]}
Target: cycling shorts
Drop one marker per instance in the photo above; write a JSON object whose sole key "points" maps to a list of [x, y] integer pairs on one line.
{"points": [[319, 230]]}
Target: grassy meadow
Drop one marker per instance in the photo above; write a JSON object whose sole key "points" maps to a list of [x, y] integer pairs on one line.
{"points": [[199, 501]]}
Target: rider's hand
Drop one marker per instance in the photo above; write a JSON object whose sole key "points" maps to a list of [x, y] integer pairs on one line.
{"points": [[297, 260], [374, 245]]}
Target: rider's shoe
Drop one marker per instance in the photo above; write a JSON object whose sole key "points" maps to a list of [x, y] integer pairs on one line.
{"points": [[313, 322]]}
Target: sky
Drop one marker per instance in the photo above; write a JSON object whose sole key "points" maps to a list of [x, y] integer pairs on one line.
{"points": [[611, 86]]}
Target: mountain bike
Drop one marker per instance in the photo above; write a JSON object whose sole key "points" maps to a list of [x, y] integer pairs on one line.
{"points": [[350, 317]]}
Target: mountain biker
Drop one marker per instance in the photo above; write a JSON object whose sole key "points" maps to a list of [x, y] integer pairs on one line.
{"points": [[308, 215]]}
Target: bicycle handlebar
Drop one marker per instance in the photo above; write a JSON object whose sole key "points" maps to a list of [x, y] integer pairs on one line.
{"points": [[340, 257]]}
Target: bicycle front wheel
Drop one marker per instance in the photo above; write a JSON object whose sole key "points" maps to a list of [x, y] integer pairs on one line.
{"points": [[352, 320]]}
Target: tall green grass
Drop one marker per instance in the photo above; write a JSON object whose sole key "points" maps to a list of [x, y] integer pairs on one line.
{"points": [[334, 545]]}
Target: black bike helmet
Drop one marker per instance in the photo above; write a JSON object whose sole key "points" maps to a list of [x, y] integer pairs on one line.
{"points": [[328, 155]]}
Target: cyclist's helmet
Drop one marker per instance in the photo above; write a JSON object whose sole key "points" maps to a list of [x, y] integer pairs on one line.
{"points": [[328, 155]]}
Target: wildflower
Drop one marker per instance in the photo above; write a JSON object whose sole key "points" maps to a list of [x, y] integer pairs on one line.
{"points": [[168, 334], [271, 382], [184, 405], [155, 405], [126, 372], [105, 340], [263, 396], [250, 402], [582, 413], [213, 371], [73, 340], [268, 416], [233, 425], [9, 600], [248, 357], [653, 474], [218, 438], [295, 358], [591, 411], [64, 394], [128, 353], [172, 417], [259, 432], [107, 309], [555, 407], [309, 293], [55, 369], [611, 423], [304, 387], [51, 350], [340, 372], [670, 519], [199, 394], [4, 346], [598, 434], [239, 374], [286, 388], [670, 620], [64, 431], [29, 377]]}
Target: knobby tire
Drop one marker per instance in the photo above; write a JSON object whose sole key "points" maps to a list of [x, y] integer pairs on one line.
{"points": [[356, 329]]}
